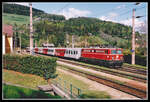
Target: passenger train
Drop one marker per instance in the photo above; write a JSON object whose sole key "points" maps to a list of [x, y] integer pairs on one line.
{"points": [[102, 56]]}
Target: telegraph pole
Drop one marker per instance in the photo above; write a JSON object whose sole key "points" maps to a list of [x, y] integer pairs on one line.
{"points": [[72, 41], [31, 30], [133, 38]]}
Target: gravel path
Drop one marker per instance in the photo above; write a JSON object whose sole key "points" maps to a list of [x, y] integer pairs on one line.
{"points": [[93, 85]]}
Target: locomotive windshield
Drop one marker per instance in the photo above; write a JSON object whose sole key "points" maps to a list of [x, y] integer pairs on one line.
{"points": [[116, 52], [119, 52]]}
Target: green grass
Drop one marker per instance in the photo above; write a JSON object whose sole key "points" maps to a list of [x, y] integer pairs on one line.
{"points": [[16, 92], [138, 66], [32, 81], [97, 75], [86, 92], [14, 18], [71, 80], [95, 94], [27, 80]]}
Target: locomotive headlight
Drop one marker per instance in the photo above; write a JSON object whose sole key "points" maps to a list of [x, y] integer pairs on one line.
{"points": [[107, 56], [117, 56]]}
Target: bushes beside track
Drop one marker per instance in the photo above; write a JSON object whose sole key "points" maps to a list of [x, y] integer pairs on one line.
{"points": [[36, 65], [140, 60]]}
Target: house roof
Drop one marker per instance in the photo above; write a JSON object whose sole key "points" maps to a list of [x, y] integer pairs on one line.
{"points": [[8, 30]]}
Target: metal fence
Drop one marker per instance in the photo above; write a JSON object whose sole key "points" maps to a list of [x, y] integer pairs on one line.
{"points": [[68, 88]]}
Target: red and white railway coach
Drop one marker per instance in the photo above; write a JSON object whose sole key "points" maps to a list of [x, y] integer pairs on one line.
{"points": [[60, 52], [51, 51], [74, 53], [39, 49]]}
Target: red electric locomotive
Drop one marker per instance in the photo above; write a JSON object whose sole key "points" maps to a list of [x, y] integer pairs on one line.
{"points": [[103, 56]]}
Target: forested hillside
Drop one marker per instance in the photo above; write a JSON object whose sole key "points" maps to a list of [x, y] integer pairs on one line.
{"points": [[84, 28], [56, 29], [25, 10], [20, 10]]}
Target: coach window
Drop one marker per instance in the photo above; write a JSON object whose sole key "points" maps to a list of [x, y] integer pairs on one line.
{"points": [[76, 52], [71, 51]]}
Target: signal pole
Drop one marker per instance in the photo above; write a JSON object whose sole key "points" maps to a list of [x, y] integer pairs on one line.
{"points": [[133, 38], [31, 30]]}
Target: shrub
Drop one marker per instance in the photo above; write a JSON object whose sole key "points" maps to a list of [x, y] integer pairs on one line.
{"points": [[37, 65], [140, 60]]}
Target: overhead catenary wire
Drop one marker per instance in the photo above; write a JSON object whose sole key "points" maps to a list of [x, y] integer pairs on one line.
{"points": [[61, 9]]}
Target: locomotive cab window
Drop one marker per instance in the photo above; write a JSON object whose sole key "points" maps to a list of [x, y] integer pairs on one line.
{"points": [[113, 52], [116, 52], [119, 52]]}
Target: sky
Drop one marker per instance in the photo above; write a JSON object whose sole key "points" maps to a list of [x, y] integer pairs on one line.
{"points": [[119, 12]]}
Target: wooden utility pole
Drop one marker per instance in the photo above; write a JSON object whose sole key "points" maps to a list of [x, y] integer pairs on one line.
{"points": [[20, 42], [133, 38], [72, 41], [31, 30]]}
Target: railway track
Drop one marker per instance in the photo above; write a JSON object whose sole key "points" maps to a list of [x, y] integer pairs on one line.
{"points": [[122, 87], [133, 69], [138, 92], [113, 72], [131, 76], [128, 68]]}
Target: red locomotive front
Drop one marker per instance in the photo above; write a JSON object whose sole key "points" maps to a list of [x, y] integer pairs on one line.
{"points": [[103, 56], [115, 57]]}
